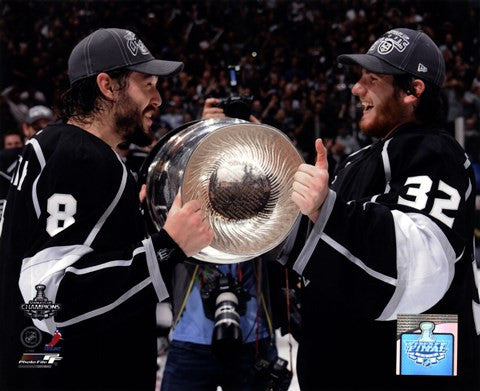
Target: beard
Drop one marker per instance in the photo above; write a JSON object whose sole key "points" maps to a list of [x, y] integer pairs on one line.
{"points": [[389, 114], [129, 123]]}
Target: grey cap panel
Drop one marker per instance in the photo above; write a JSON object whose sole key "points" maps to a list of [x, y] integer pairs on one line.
{"points": [[109, 49]]}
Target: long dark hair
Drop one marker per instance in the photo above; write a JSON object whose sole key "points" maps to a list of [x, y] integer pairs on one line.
{"points": [[83, 99], [430, 107]]}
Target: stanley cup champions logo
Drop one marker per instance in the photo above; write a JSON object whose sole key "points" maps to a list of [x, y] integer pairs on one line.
{"points": [[40, 307]]}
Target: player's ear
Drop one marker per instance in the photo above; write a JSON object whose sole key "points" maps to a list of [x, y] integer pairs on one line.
{"points": [[105, 85], [417, 88]]}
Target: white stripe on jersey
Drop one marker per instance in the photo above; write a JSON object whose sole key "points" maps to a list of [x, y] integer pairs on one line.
{"points": [[46, 267], [289, 243], [386, 166], [314, 237], [476, 306], [317, 234], [467, 164], [7, 177], [388, 170], [425, 265], [41, 160], [154, 270], [476, 316], [51, 260], [106, 265], [469, 190], [360, 150], [103, 218], [99, 311], [12, 166]]}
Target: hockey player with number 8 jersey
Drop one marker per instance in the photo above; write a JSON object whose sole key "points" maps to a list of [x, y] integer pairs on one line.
{"points": [[59, 233], [75, 256]]}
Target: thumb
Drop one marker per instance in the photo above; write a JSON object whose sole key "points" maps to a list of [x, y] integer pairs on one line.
{"points": [[321, 154]]}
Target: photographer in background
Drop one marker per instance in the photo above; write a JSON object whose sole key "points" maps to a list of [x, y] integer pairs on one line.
{"points": [[211, 109], [237, 105], [205, 354]]}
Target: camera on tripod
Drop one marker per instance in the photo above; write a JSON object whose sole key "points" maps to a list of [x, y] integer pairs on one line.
{"points": [[236, 105], [224, 301]]}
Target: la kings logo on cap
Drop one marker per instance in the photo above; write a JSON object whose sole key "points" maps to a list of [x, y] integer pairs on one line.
{"points": [[392, 40], [134, 44]]}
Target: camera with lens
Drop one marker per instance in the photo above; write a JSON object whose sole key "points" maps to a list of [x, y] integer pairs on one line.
{"points": [[275, 375], [224, 301], [236, 105]]}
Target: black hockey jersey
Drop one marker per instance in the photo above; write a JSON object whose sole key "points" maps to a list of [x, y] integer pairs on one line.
{"points": [[73, 236], [395, 236]]}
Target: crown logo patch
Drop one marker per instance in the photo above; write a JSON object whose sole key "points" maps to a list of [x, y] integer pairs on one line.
{"points": [[134, 44]]}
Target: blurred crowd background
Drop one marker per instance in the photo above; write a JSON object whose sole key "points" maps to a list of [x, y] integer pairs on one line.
{"points": [[286, 49]]}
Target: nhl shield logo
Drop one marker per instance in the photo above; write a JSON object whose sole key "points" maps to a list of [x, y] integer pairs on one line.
{"points": [[31, 337]]}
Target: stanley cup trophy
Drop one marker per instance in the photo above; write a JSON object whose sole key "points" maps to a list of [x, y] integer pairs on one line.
{"points": [[242, 174]]}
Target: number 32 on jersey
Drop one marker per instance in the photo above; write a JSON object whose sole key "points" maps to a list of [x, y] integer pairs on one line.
{"points": [[419, 186]]}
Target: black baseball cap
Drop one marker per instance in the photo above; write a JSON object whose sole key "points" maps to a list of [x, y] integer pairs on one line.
{"points": [[114, 48], [402, 51]]}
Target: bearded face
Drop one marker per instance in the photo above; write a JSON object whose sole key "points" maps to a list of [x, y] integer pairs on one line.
{"points": [[383, 107], [130, 123], [385, 116]]}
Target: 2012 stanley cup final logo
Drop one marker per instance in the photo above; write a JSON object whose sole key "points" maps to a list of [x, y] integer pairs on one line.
{"points": [[426, 344], [426, 350], [40, 307], [134, 44]]}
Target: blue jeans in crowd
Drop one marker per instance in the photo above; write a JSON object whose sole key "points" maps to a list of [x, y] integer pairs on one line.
{"points": [[193, 367]]}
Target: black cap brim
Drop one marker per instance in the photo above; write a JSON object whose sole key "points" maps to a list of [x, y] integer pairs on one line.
{"points": [[158, 67], [370, 63]]}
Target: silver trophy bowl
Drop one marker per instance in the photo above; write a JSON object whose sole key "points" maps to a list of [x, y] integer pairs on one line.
{"points": [[241, 172]]}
